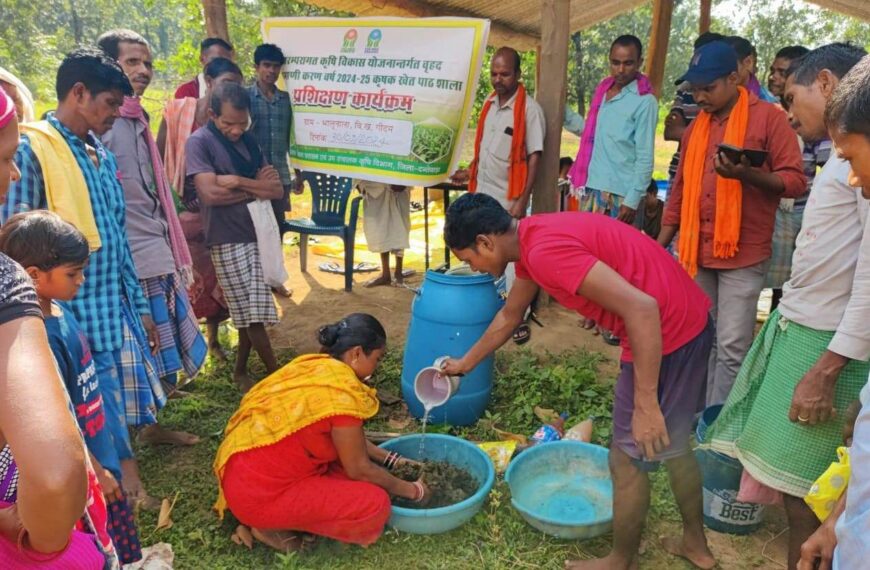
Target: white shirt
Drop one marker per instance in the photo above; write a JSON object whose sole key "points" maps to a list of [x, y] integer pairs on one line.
{"points": [[829, 288], [853, 527], [495, 145]]}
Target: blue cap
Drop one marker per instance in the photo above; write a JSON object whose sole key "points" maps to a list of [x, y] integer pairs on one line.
{"points": [[709, 63]]}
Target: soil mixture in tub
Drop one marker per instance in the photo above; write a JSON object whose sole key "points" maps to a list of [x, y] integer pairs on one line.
{"points": [[448, 483]]}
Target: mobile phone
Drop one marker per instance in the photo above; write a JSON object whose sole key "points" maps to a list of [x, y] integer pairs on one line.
{"points": [[731, 152], [756, 156]]}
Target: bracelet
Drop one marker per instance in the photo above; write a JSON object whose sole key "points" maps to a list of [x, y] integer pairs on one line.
{"points": [[391, 460], [388, 459], [420, 492]]}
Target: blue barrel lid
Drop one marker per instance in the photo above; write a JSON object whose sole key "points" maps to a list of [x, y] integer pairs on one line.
{"points": [[454, 279]]}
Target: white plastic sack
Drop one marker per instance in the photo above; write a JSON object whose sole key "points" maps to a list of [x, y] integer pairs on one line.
{"points": [[268, 242]]}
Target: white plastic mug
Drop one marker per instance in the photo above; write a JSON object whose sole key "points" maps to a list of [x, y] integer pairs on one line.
{"points": [[433, 388]]}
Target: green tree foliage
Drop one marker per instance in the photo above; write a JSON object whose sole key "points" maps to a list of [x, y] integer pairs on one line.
{"points": [[774, 24], [34, 35]]}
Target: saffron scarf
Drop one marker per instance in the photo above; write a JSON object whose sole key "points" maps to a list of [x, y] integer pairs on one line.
{"points": [[579, 172], [66, 192], [729, 192], [518, 169], [311, 388], [132, 109]]}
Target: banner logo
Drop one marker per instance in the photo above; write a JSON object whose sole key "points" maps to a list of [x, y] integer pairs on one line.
{"points": [[349, 43], [374, 41]]}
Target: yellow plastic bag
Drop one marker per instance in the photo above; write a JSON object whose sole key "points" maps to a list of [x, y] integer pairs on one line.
{"points": [[500, 452], [828, 488]]}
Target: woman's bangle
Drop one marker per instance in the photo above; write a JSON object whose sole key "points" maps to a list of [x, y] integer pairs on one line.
{"points": [[420, 491], [391, 460]]}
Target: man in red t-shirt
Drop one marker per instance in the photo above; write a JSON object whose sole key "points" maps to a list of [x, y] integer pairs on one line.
{"points": [[609, 272], [209, 49]]}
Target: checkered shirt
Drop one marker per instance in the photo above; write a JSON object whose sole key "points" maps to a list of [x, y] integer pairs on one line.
{"points": [[270, 124], [110, 272]]}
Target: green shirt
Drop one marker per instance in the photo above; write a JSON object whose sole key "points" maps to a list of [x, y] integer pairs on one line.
{"points": [[622, 158]]}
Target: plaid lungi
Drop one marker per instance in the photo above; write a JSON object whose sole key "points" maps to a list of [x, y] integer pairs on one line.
{"points": [[785, 232], [142, 391], [754, 426], [240, 275], [182, 346]]}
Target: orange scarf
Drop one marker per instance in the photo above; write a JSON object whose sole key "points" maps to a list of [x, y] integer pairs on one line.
{"points": [[729, 192], [518, 169]]}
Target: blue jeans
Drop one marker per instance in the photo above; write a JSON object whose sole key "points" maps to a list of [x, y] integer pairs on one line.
{"points": [[108, 373]]}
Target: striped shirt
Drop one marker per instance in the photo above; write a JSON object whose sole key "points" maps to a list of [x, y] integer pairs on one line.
{"points": [[110, 272]]}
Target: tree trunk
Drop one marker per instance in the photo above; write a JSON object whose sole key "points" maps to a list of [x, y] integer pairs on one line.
{"points": [[77, 24], [579, 84], [215, 12]]}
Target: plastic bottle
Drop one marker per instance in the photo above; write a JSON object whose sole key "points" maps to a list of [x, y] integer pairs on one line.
{"points": [[580, 432], [550, 432]]}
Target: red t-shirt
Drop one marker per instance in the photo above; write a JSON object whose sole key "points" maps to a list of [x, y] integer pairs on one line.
{"points": [[189, 89], [558, 250]]}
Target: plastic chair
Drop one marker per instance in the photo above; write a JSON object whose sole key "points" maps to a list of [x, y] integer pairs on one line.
{"points": [[329, 197]]}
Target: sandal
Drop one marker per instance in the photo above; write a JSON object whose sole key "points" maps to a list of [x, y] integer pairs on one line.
{"points": [[610, 339], [522, 334]]}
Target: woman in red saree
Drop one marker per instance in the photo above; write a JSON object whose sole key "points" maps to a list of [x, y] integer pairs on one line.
{"points": [[295, 458]]}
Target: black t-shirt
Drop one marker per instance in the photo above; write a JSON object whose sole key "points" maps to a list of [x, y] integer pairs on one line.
{"points": [[17, 295], [223, 224]]}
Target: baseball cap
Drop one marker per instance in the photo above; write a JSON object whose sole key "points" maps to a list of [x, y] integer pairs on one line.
{"points": [[710, 62]]}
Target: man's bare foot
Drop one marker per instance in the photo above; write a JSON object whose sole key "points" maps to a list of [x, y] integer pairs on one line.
{"points": [[243, 381], [156, 434], [699, 555], [399, 280], [217, 352], [281, 540], [379, 281], [609, 562], [283, 291], [133, 487]]}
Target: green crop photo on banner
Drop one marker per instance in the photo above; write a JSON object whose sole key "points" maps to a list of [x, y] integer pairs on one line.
{"points": [[382, 99]]}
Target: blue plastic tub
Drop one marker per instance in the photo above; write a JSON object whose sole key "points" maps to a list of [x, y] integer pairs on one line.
{"points": [[721, 475], [449, 314], [457, 452], [563, 489]]}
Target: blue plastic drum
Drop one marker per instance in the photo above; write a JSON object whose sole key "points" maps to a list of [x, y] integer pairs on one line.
{"points": [[448, 315]]}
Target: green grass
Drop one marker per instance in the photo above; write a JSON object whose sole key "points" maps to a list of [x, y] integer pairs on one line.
{"points": [[496, 538]]}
